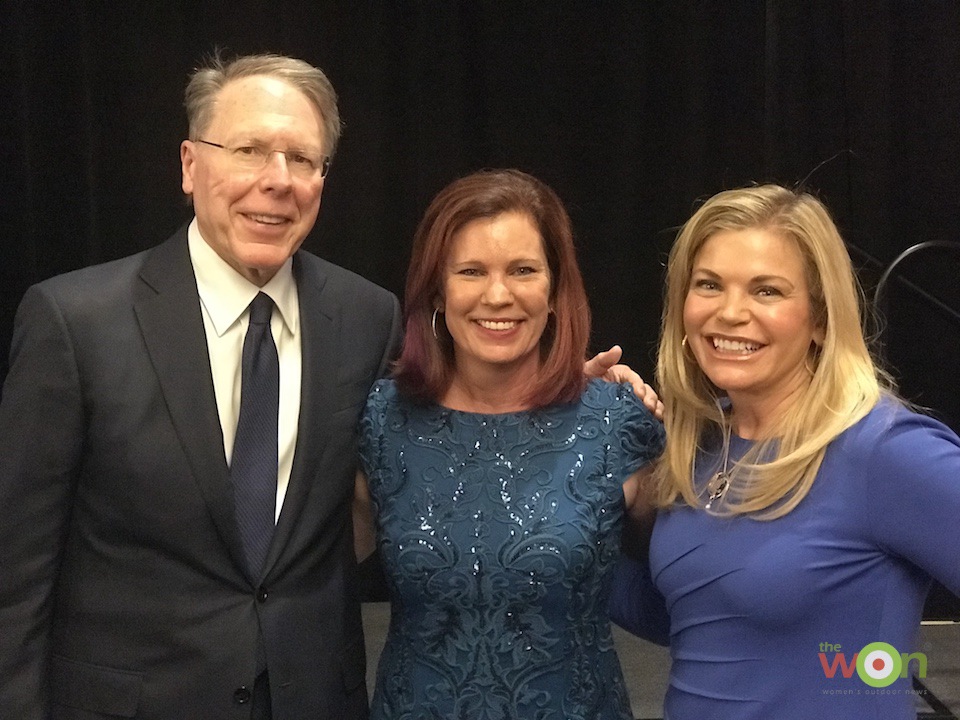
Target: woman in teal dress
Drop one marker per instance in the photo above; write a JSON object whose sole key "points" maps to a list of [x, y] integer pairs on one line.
{"points": [[498, 473]]}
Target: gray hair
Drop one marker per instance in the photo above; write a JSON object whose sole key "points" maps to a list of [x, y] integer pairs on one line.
{"points": [[206, 82]]}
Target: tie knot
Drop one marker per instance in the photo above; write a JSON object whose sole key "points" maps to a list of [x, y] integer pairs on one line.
{"points": [[261, 308]]}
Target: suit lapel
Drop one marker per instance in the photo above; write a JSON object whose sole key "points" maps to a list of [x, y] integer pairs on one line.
{"points": [[168, 310], [320, 327]]}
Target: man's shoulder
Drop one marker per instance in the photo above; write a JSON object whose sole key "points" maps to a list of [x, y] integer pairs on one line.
{"points": [[94, 276], [112, 274], [97, 293], [341, 281]]}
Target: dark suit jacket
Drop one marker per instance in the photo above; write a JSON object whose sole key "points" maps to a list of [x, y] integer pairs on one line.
{"points": [[122, 585]]}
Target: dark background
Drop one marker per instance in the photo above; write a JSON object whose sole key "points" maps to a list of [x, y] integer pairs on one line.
{"points": [[631, 110]]}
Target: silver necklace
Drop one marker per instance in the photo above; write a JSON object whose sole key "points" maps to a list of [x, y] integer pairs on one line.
{"points": [[717, 487], [720, 482]]}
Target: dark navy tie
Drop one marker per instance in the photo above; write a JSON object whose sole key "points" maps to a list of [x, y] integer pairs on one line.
{"points": [[253, 468]]}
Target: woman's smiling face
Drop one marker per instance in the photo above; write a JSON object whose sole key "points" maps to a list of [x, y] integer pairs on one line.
{"points": [[497, 295], [747, 316]]}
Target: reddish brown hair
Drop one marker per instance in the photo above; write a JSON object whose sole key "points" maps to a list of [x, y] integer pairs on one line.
{"points": [[425, 367]]}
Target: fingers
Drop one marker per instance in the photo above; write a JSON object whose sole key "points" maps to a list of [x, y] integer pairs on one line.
{"points": [[645, 392], [600, 364], [605, 365]]}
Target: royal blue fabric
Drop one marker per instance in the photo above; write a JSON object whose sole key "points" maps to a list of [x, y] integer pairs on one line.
{"points": [[498, 535], [751, 601]]}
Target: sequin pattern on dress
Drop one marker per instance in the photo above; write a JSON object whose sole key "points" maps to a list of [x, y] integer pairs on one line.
{"points": [[498, 534]]}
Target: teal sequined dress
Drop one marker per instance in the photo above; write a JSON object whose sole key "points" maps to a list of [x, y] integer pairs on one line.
{"points": [[498, 535]]}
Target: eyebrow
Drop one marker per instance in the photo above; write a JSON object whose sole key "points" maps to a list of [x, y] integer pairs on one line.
{"points": [[519, 261], [754, 279], [246, 139]]}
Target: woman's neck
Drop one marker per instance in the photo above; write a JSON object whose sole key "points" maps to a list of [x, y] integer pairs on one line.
{"points": [[490, 391], [757, 417]]}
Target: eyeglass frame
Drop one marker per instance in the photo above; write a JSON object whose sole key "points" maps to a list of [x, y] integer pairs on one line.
{"points": [[324, 159]]}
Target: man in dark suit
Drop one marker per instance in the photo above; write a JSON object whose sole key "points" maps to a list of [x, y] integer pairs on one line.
{"points": [[137, 576]]}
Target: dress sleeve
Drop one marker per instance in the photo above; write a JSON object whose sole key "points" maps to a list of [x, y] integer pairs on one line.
{"points": [[371, 427], [635, 603], [913, 493], [640, 434]]}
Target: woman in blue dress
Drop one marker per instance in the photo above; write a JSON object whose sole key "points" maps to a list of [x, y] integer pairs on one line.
{"points": [[804, 509], [500, 475]]}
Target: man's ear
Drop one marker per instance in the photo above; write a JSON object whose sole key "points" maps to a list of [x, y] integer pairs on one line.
{"points": [[188, 161]]}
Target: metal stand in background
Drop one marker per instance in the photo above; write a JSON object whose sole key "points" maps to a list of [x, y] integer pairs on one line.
{"points": [[888, 273], [938, 711]]}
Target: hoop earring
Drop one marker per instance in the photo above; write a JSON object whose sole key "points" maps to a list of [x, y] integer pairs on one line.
{"points": [[433, 323]]}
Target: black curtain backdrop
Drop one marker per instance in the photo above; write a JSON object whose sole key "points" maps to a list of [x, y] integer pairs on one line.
{"points": [[632, 111]]}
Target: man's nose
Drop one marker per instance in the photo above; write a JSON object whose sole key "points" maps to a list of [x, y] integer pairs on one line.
{"points": [[276, 172]]}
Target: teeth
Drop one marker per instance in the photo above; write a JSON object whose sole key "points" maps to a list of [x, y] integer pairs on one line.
{"points": [[491, 325], [268, 219], [735, 346]]}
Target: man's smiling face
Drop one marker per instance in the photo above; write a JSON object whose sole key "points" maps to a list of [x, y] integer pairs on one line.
{"points": [[255, 219]]}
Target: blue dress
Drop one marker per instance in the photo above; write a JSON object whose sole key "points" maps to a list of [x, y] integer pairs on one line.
{"points": [[498, 535], [766, 616]]}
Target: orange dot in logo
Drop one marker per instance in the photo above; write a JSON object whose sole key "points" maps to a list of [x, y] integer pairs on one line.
{"points": [[879, 664]]}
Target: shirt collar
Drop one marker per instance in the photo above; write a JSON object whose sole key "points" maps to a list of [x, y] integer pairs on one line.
{"points": [[225, 293]]}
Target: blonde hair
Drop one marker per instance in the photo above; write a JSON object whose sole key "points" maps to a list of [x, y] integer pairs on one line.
{"points": [[776, 474]]}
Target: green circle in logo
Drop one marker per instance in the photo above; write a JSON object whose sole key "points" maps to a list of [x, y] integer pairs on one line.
{"points": [[879, 664]]}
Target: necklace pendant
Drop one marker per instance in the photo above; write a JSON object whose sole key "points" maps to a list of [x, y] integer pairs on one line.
{"points": [[717, 487]]}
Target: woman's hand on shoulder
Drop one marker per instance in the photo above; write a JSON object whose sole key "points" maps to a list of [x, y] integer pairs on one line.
{"points": [[605, 365]]}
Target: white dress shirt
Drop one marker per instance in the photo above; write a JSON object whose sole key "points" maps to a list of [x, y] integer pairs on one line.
{"points": [[224, 297]]}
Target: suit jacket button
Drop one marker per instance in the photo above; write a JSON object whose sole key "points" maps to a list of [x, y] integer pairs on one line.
{"points": [[241, 695], [262, 594]]}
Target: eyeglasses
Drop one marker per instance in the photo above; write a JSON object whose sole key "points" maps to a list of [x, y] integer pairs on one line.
{"points": [[255, 157]]}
